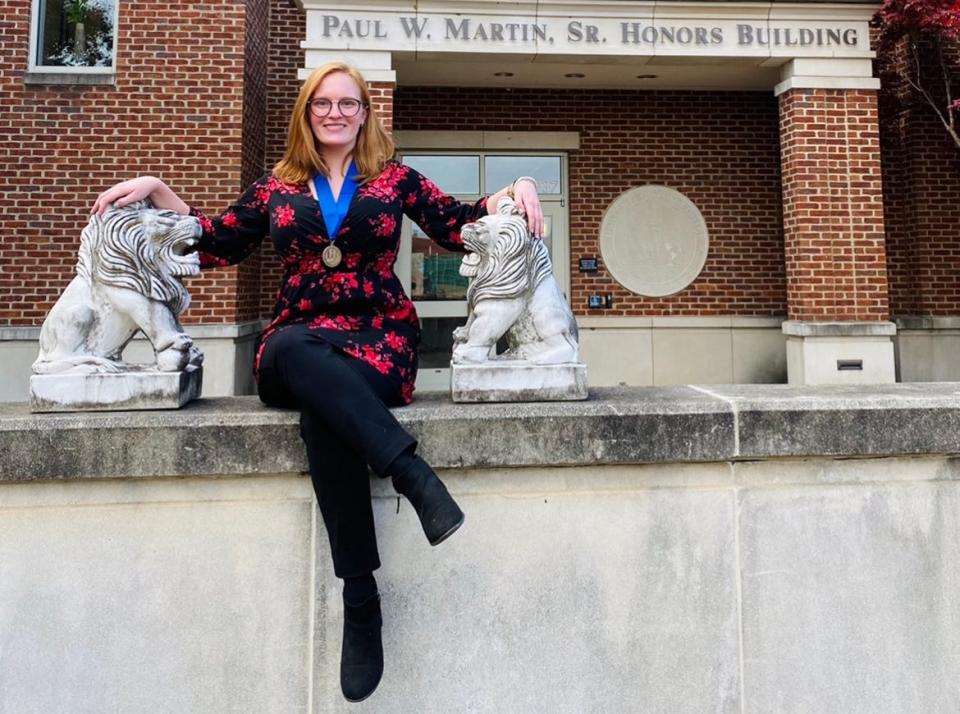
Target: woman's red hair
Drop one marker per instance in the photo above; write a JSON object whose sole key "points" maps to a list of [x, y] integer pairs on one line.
{"points": [[302, 161]]}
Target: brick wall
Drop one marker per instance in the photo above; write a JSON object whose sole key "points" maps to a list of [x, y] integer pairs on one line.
{"points": [[921, 181], [181, 109], [255, 77], [381, 96], [287, 30], [933, 165], [253, 148], [894, 124], [832, 205], [176, 111], [718, 148]]}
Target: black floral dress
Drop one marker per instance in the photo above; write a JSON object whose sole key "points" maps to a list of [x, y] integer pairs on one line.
{"points": [[359, 307]]}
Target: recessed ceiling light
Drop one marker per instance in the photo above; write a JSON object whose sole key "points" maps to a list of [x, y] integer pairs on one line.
{"points": [[647, 76], [574, 75], [503, 74]]}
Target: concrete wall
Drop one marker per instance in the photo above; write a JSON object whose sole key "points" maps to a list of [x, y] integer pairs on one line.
{"points": [[156, 596], [740, 548], [928, 349], [18, 349], [683, 350], [790, 586]]}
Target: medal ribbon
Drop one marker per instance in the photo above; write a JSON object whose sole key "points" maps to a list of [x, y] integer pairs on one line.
{"points": [[335, 211]]}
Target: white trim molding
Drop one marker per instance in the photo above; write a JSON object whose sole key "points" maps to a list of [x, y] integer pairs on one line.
{"points": [[14, 333], [375, 66], [827, 74], [488, 140]]}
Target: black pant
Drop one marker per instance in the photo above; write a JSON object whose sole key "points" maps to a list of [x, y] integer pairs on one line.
{"points": [[346, 425]]}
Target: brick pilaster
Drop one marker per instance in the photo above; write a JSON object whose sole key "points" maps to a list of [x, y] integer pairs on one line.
{"points": [[381, 95], [834, 249]]}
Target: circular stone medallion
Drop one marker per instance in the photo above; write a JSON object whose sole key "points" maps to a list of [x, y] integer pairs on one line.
{"points": [[653, 240]]}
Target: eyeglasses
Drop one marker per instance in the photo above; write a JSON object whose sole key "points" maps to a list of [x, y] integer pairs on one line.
{"points": [[348, 107]]}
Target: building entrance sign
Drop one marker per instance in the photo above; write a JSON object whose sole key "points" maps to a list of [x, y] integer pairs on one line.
{"points": [[675, 30]]}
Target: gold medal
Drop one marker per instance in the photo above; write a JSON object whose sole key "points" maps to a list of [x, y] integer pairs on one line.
{"points": [[331, 256]]}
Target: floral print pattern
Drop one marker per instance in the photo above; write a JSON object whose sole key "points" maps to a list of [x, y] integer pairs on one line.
{"points": [[359, 306]]}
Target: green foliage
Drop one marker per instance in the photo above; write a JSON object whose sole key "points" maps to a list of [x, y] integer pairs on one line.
{"points": [[77, 11]]}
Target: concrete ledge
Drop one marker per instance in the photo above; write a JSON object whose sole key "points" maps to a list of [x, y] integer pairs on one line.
{"points": [[800, 328], [238, 435], [242, 329], [13, 333], [929, 322], [854, 421], [70, 78], [683, 323]]}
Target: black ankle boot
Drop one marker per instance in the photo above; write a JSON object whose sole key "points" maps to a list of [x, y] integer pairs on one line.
{"points": [[439, 514], [361, 659]]}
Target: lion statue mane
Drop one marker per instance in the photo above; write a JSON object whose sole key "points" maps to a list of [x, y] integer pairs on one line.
{"points": [[512, 292], [129, 268]]}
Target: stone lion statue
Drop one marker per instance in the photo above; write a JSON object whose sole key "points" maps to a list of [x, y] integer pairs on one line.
{"points": [[512, 293], [129, 268]]}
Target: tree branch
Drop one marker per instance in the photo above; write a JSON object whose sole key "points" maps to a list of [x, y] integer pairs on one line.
{"points": [[948, 125], [945, 69]]}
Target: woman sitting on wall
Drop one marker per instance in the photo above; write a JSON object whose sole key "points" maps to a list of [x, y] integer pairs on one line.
{"points": [[342, 344]]}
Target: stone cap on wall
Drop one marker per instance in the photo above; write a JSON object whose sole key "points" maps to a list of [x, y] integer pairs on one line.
{"points": [[617, 425], [927, 322], [802, 328]]}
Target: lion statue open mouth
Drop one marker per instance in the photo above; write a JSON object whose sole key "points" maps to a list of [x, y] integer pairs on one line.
{"points": [[512, 292], [129, 268]]}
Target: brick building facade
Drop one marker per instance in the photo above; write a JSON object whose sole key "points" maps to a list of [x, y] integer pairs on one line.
{"points": [[823, 204]]}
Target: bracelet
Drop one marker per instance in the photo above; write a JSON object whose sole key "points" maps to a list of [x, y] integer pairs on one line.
{"points": [[512, 187]]}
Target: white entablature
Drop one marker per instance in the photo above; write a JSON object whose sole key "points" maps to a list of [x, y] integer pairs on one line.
{"points": [[678, 44]]}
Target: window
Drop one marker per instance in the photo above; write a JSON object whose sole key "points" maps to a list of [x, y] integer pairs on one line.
{"points": [[457, 175], [435, 271], [73, 35], [501, 170]]}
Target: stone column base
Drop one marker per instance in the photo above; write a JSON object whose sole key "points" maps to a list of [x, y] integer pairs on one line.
{"points": [[840, 352]]}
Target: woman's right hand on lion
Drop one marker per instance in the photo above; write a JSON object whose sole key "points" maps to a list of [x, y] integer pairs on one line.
{"points": [[127, 192]]}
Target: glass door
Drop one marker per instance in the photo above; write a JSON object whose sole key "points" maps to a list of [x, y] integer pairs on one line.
{"points": [[430, 274]]}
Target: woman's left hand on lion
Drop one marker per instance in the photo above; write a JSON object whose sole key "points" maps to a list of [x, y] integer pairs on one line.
{"points": [[127, 192], [526, 198]]}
